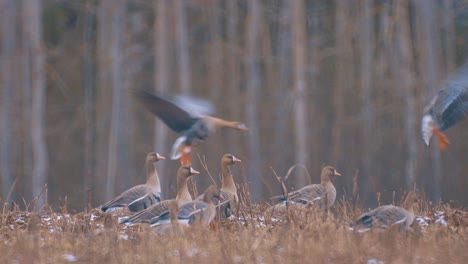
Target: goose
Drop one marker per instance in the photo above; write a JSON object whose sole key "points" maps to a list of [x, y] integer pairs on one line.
{"points": [[186, 117], [323, 193], [388, 215], [196, 212], [183, 197], [447, 108], [172, 224], [228, 186], [141, 196]]}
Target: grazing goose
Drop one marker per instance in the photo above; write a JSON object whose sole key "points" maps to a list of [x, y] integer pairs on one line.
{"points": [[447, 108], [196, 212], [183, 197], [228, 186], [141, 196], [324, 193], [190, 123], [388, 215]]}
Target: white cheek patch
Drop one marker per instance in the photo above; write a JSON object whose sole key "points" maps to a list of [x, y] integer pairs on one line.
{"points": [[427, 125]]}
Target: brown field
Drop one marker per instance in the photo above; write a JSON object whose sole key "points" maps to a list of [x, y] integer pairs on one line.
{"points": [[254, 236]]}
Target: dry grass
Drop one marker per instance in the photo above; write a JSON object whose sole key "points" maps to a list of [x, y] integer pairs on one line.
{"points": [[253, 237]]}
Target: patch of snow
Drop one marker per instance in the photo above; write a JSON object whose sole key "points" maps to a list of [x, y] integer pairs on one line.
{"points": [[12, 227], [93, 217], [374, 261], [69, 257], [123, 236], [441, 218], [20, 220]]}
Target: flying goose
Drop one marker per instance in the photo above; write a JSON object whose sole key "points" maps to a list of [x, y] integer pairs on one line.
{"points": [[186, 117], [183, 196], [228, 186], [141, 196], [196, 212], [447, 108], [323, 193], [388, 215]]}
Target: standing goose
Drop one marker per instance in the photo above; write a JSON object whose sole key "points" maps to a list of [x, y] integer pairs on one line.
{"points": [[183, 197], [141, 196], [388, 215], [228, 186], [325, 192], [447, 108], [196, 212], [186, 118]]}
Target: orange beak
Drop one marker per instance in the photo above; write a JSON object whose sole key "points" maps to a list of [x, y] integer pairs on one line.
{"points": [[442, 139]]}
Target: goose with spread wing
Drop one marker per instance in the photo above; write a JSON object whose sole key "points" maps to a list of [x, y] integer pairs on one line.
{"points": [[447, 108], [141, 196], [187, 117]]}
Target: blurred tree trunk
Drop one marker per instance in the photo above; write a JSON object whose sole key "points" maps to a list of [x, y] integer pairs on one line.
{"points": [[367, 48], [344, 79], [215, 52], [161, 82], [253, 86], [104, 93], [32, 19], [233, 72], [117, 161], [8, 37], [301, 125], [428, 63], [89, 99], [282, 103], [183, 58], [448, 27], [403, 67]]}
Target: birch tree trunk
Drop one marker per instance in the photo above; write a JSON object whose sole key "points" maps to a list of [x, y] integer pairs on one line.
{"points": [[183, 58], [33, 26], [161, 82], [404, 68], [118, 140], [8, 38], [253, 86], [300, 108]]}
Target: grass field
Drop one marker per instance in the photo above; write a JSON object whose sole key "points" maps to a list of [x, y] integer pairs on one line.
{"points": [[439, 235]]}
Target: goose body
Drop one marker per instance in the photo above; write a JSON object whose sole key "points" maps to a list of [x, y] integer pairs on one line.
{"points": [[387, 216], [323, 194], [447, 108], [191, 123], [195, 212], [183, 196], [141, 196], [228, 186]]}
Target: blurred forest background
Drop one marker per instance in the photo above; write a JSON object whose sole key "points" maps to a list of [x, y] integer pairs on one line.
{"points": [[339, 83]]}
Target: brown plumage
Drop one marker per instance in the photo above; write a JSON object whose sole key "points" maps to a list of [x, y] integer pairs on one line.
{"points": [[447, 108], [228, 186], [389, 215], [196, 212], [183, 196], [141, 196], [187, 122], [323, 194], [172, 223]]}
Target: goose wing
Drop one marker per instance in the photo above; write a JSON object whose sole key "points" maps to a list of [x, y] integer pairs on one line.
{"points": [[173, 115], [450, 105], [135, 198]]}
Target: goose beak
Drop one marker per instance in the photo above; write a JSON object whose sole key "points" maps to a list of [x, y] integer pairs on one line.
{"points": [[337, 173], [235, 160], [159, 157], [193, 171]]}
